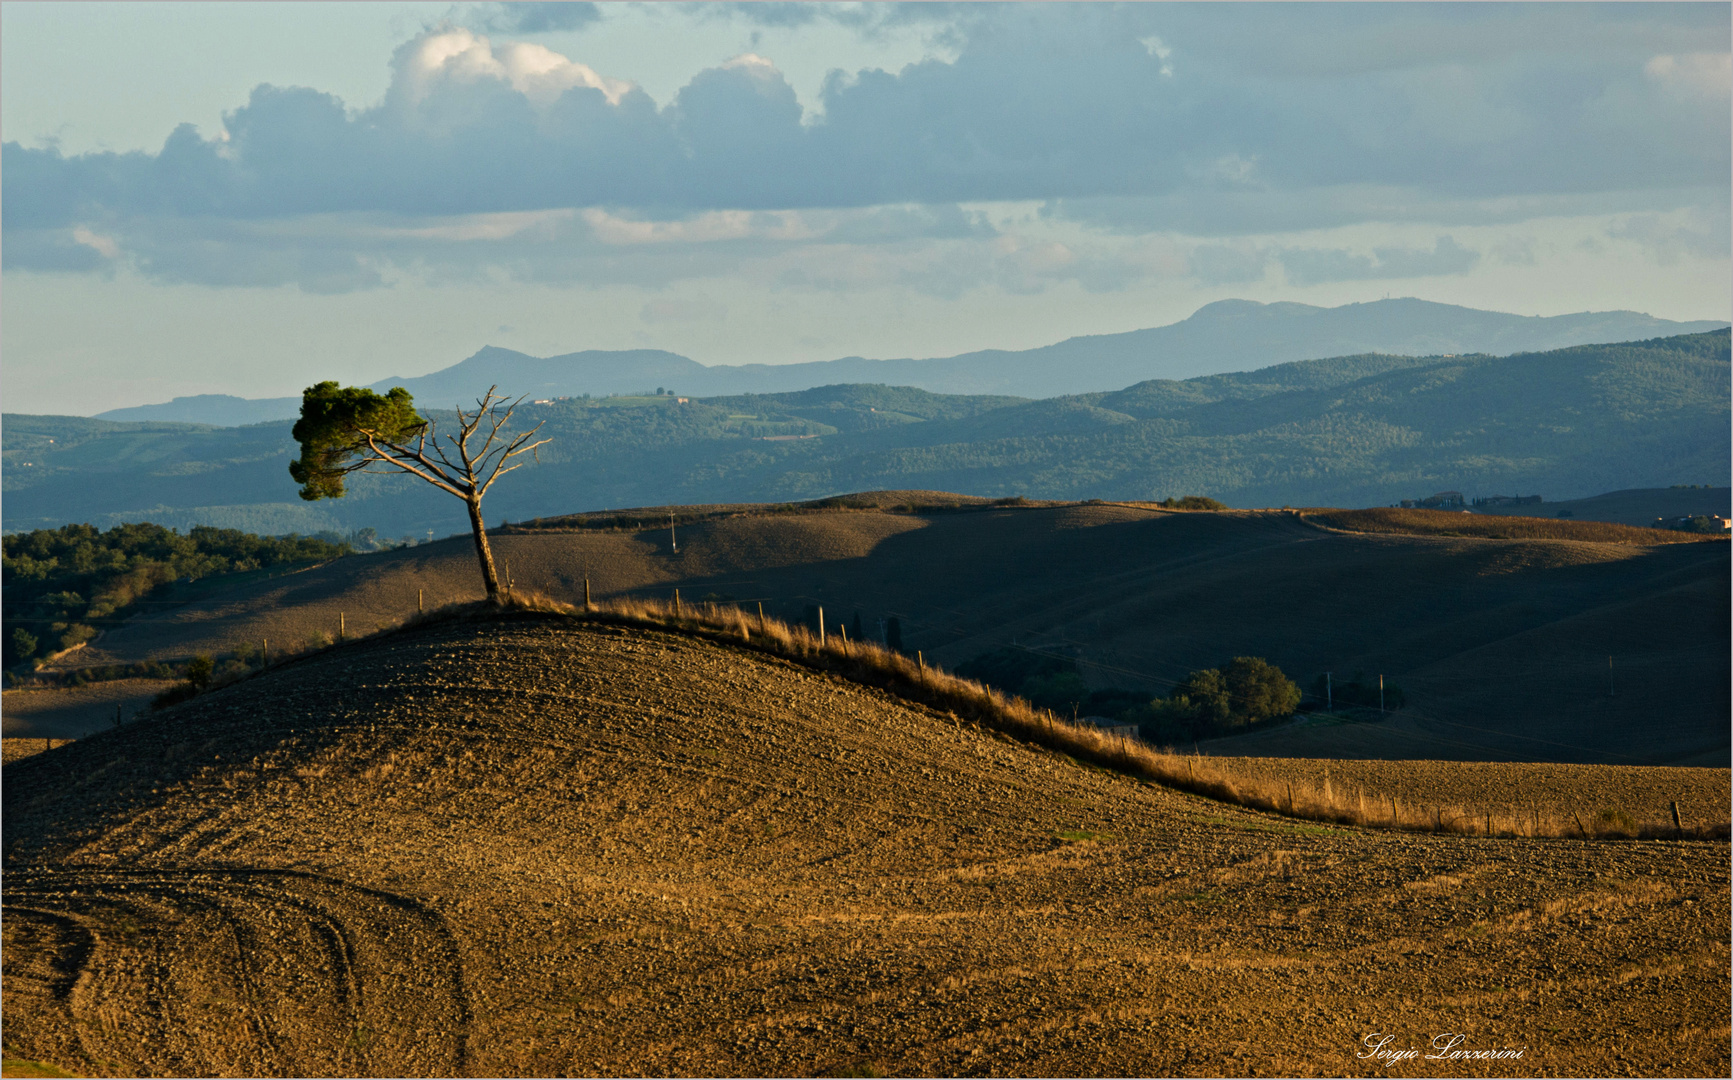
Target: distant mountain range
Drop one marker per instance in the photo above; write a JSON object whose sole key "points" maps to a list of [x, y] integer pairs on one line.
{"points": [[1348, 431], [1229, 335]]}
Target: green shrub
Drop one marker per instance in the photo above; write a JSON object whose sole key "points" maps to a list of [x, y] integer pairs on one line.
{"points": [[199, 671], [1245, 692], [76, 634]]}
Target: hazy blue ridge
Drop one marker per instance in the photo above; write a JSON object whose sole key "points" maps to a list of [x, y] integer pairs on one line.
{"points": [[1354, 430], [1226, 336], [224, 410]]}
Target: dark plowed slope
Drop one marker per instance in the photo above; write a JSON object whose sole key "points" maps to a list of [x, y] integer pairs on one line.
{"points": [[526, 846], [1502, 645]]}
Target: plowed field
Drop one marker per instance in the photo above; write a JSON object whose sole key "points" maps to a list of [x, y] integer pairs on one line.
{"points": [[529, 845]]}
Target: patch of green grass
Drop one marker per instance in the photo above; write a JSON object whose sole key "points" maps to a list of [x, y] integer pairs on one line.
{"points": [[1267, 826], [12, 1066], [1075, 835]]}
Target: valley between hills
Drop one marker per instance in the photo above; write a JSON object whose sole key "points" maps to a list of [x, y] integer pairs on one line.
{"points": [[1500, 641]]}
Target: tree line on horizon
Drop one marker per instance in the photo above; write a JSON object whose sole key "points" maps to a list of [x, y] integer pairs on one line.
{"points": [[61, 584]]}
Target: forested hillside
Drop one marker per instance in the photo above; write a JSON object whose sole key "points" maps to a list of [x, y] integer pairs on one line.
{"points": [[1350, 431]]}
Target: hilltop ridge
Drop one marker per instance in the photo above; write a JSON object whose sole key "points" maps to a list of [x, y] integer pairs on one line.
{"points": [[1346, 431], [1222, 336]]}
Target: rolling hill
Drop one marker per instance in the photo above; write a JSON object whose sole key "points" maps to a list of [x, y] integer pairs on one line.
{"points": [[529, 845], [1349, 431], [1224, 336], [1501, 644]]}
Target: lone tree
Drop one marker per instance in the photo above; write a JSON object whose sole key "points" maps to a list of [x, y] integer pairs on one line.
{"points": [[347, 429]]}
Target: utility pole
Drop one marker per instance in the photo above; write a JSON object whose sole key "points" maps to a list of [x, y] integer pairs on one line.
{"points": [[1609, 676], [1380, 694], [673, 541], [1329, 693]]}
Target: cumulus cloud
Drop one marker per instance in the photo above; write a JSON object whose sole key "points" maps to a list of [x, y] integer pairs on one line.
{"points": [[1313, 266], [1132, 120], [457, 56]]}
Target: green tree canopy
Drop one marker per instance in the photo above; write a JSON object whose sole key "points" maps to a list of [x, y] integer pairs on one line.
{"points": [[1258, 691], [339, 425]]}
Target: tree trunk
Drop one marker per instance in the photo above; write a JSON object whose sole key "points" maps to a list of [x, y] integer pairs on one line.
{"points": [[482, 551]]}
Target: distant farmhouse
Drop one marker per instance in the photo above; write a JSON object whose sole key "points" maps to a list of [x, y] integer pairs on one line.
{"points": [[1443, 500], [1703, 523]]}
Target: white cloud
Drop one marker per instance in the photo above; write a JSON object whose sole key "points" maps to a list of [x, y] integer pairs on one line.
{"points": [[755, 64], [1158, 49], [702, 229], [1701, 74], [102, 245], [478, 227], [456, 55]]}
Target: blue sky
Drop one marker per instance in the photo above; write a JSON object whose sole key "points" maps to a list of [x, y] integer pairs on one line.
{"points": [[245, 198]]}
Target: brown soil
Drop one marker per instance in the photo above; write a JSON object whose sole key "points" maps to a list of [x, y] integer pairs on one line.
{"points": [[1508, 792], [1501, 644], [1504, 527], [523, 846]]}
